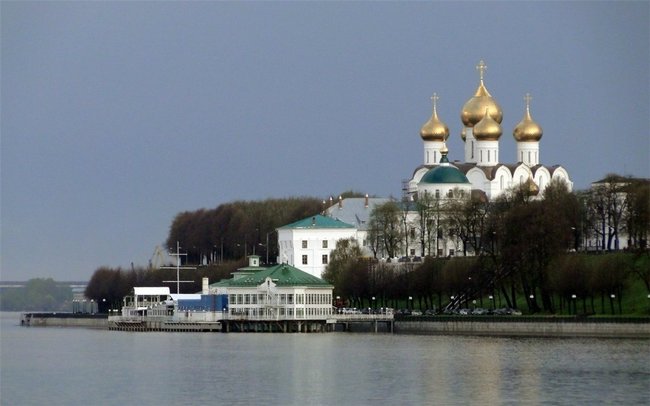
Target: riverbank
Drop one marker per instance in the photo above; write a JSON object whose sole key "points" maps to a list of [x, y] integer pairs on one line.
{"points": [[514, 326]]}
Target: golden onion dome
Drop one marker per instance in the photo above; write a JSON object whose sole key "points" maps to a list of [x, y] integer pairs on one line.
{"points": [[487, 129], [474, 109], [531, 188], [527, 129], [434, 129]]}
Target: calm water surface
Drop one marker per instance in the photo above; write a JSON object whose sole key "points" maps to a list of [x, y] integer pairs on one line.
{"points": [[76, 366]]}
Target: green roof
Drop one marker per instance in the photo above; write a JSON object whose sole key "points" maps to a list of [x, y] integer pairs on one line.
{"points": [[317, 221], [444, 174], [282, 275]]}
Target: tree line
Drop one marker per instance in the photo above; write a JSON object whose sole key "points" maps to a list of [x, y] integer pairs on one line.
{"points": [[237, 229]]}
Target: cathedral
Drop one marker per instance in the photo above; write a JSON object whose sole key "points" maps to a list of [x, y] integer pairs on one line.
{"points": [[481, 171], [308, 243]]}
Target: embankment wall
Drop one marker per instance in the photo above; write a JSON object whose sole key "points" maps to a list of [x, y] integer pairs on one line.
{"points": [[63, 320], [527, 328]]}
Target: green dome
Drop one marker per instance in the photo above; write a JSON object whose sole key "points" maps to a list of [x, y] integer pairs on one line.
{"points": [[444, 174]]}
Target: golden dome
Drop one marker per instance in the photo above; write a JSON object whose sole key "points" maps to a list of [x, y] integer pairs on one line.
{"points": [[487, 129], [463, 134], [434, 129], [527, 129], [474, 109], [531, 188]]}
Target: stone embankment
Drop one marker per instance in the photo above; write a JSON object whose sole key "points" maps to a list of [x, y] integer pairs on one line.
{"points": [[525, 326], [64, 320]]}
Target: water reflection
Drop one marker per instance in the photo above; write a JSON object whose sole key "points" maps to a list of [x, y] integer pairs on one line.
{"points": [[315, 369]]}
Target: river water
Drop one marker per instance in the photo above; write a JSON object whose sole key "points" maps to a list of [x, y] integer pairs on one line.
{"points": [[78, 366]]}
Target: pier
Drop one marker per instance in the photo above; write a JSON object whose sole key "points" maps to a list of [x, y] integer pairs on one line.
{"points": [[254, 324]]}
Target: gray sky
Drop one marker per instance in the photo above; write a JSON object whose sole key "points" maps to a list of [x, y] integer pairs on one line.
{"points": [[116, 116]]}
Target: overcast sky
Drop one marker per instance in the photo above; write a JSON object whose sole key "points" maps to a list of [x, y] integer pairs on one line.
{"points": [[116, 116]]}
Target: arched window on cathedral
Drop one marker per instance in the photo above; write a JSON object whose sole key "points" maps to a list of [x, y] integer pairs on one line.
{"points": [[437, 193]]}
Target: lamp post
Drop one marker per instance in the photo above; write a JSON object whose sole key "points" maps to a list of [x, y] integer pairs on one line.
{"points": [[411, 303], [611, 302], [575, 308], [492, 301]]}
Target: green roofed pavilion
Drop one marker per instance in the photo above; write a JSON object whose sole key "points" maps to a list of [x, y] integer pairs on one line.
{"points": [[282, 275]]}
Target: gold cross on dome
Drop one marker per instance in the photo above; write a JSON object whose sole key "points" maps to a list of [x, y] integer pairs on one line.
{"points": [[528, 98], [481, 67], [434, 99]]}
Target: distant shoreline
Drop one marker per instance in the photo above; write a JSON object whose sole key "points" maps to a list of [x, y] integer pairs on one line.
{"points": [[618, 327]]}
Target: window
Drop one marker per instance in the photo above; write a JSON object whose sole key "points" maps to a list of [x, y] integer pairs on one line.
{"points": [[451, 252], [304, 259], [304, 243], [324, 259], [437, 193], [324, 243], [412, 251]]}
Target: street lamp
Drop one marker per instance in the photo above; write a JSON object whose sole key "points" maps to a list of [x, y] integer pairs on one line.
{"points": [[411, 303], [492, 301], [575, 308]]}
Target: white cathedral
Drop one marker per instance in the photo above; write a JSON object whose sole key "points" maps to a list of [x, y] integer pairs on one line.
{"points": [[481, 117], [307, 244]]}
